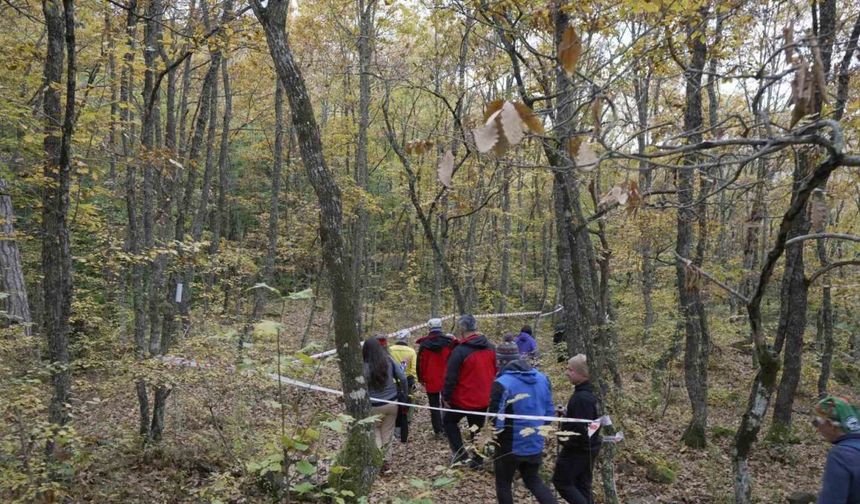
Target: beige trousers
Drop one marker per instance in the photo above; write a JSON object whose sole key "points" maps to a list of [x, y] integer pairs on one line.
{"points": [[384, 427]]}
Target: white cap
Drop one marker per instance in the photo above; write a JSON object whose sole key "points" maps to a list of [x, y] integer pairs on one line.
{"points": [[402, 335], [434, 323]]}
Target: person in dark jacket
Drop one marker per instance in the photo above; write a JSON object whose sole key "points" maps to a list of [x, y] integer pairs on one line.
{"points": [[385, 380], [839, 423], [433, 352], [469, 375], [559, 342], [520, 390], [526, 343], [572, 475]]}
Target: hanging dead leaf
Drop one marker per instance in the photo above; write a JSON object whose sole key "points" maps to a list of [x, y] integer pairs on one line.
{"points": [[586, 159], [573, 146], [615, 195], [788, 36], [634, 198], [493, 107], [446, 169], [569, 50], [512, 125], [529, 118], [487, 136], [596, 106], [408, 148], [692, 278]]}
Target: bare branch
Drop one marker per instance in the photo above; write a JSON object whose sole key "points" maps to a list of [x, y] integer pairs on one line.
{"points": [[815, 236], [837, 264], [710, 277]]}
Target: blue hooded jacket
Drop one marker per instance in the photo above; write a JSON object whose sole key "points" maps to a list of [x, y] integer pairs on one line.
{"points": [[521, 390], [841, 481]]}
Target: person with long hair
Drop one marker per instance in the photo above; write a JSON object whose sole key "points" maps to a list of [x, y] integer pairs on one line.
{"points": [[385, 380]]}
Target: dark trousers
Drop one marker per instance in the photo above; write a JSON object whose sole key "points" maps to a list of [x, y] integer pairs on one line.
{"points": [[572, 476], [506, 467], [435, 415], [451, 422]]}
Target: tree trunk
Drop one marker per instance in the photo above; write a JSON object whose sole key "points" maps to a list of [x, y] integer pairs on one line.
{"points": [[359, 455], [366, 12], [642, 95], [219, 223], [505, 274], [12, 282], [793, 301], [56, 253], [272, 235], [696, 347]]}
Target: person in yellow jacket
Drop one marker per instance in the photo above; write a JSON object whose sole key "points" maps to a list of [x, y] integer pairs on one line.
{"points": [[405, 356]]}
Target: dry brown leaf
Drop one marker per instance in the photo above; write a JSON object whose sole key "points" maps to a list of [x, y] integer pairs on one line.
{"points": [[569, 50], [529, 118], [615, 195], [586, 160], [512, 125], [446, 169], [408, 148], [573, 146], [487, 136], [493, 107], [596, 107], [788, 35]]}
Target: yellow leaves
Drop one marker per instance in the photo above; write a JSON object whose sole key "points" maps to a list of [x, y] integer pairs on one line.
{"points": [[569, 50], [505, 124]]}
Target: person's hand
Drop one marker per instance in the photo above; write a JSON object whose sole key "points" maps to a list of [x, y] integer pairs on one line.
{"points": [[445, 404]]}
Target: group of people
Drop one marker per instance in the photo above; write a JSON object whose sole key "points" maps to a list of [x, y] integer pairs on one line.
{"points": [[469, 377]]}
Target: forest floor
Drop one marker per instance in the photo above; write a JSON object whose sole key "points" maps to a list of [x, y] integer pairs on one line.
{"points": [[222, 425]]}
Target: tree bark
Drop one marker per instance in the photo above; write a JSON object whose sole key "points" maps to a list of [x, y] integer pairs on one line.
{"points": [[505, 274], [359, 455], [366, 13], [12, 283], [696, 344], [272, 234], [642, 85], [56, 253]]}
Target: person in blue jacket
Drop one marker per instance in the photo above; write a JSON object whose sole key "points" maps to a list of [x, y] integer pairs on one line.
{"points": [[520, 390], [839, 423]]}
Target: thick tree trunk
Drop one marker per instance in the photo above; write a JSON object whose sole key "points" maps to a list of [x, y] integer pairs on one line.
{"points": [[696, 347], [56, 253], [12, 284], [359, 455]]}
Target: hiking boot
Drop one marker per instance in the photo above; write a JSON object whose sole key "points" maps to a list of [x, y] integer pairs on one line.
{"points": [[385, 469], [475, 463]]}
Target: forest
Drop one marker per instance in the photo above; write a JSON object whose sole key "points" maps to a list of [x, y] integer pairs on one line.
{"points": [[206, 206]]}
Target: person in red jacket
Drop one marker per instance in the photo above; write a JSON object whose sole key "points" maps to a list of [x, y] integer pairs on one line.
{"points": [[433, 352], [468, 379]]}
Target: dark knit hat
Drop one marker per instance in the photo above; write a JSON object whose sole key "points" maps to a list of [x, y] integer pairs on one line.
{"points": [[507, 352]]}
